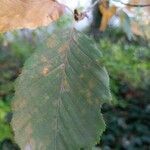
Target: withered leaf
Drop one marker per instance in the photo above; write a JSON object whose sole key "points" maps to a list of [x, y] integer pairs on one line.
{"points": [[17, 14], [107, 13]]}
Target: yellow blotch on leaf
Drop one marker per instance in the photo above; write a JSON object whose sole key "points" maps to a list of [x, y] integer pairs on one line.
{"points": [[45, 71]]}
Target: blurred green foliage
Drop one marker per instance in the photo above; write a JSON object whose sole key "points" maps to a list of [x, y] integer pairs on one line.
{"points": [[130, 62], [5, 131], [127, 63]]}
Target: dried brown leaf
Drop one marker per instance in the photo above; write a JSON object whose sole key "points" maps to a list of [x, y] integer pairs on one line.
{"points": [[107, 13], [16, 14]]}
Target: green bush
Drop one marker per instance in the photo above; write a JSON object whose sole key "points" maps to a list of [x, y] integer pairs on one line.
{"points": [[5, 130], [126, 63]]}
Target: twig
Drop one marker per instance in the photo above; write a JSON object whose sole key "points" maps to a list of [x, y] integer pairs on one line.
{"points": [[136, 5]]}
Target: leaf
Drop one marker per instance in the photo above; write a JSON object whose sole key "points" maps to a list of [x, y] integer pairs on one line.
{"points": [[17, 14], [107, 13], [126, 24], [140, 25], [59, 94]]}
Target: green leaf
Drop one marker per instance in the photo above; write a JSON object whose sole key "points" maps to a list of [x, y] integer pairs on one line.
{"points": [[59, 94]]}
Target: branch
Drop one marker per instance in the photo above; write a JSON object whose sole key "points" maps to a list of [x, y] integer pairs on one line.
{"points": [[136, 5]]}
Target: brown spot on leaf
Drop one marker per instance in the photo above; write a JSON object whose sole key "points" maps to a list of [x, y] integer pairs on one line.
{"points": [[45, 71], [65, 86], [92, 84], [63, 48], [29, 129], [97, 101], [81, 76], [44, 59], [89, 97], [52, 42], [20, 121], [19, 104]]}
